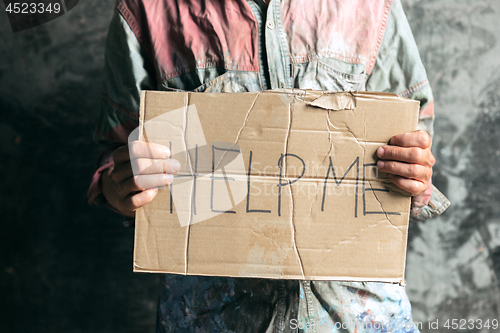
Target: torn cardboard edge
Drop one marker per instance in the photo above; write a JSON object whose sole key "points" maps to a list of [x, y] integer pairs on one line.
{"points": [[335, 101], [401, 282], [295, 119]]}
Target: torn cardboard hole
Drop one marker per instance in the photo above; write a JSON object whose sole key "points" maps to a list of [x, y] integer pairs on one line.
{"points": [[267, 190]]}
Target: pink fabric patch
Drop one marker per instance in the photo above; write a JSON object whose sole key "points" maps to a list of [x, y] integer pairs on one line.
{"points": [[94, 190], [105, 162], [347, 30], [428, 110], [184, 35]]}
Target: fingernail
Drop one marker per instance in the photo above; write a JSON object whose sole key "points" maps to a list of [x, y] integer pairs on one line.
{"points": [[380, 152], [380, 164], [155, 189], [169, 179], [166, 151], [175, 165]]}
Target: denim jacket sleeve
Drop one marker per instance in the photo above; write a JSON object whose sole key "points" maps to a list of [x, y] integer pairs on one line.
{"points": [[399, 70], [126, 69]]}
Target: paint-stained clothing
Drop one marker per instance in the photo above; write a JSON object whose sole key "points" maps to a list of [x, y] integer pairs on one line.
{"points": [[238, 46]]}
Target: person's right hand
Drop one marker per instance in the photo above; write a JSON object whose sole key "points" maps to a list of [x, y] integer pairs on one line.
{"points": [[127, 190]]}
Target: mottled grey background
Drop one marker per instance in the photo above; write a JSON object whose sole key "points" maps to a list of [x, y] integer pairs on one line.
{"points": [[454, 260], [67, 267]]}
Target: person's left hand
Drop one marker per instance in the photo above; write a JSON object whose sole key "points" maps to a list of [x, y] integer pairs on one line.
{"points": [[408, 160]]}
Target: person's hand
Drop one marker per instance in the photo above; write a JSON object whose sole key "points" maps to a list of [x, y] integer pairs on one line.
{"points": [[127, 188], [408, 160]]}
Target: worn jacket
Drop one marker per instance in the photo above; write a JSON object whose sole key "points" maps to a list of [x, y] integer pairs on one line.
{"points": [[239, 46]]}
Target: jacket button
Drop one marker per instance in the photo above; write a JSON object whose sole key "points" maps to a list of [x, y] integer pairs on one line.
{"points": [[270, 25]]}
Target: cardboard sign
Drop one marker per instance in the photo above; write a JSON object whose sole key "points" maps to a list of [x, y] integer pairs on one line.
{"points": [[275, 184]]}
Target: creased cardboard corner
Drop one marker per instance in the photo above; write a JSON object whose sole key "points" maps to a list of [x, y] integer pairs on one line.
{"points": [[276, 185]]}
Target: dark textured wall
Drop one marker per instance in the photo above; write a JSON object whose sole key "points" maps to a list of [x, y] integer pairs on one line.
{"points": [[454, 260], [67, 267], [64, 266]]}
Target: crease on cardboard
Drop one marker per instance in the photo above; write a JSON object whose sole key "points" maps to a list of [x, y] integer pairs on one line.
{"points": [[142, 115], [289, 96], [335, 101], [356, 235], [141, 138], [348, 129], [299, 96], [369, 180], [235, 144], [188, 229], [364, 160], [239, 133], [267, 237], [366, 139], [355, 137], [316, 180], [246, 119], [328, 125], [382, 207], [317, 184], [292, 213]]}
